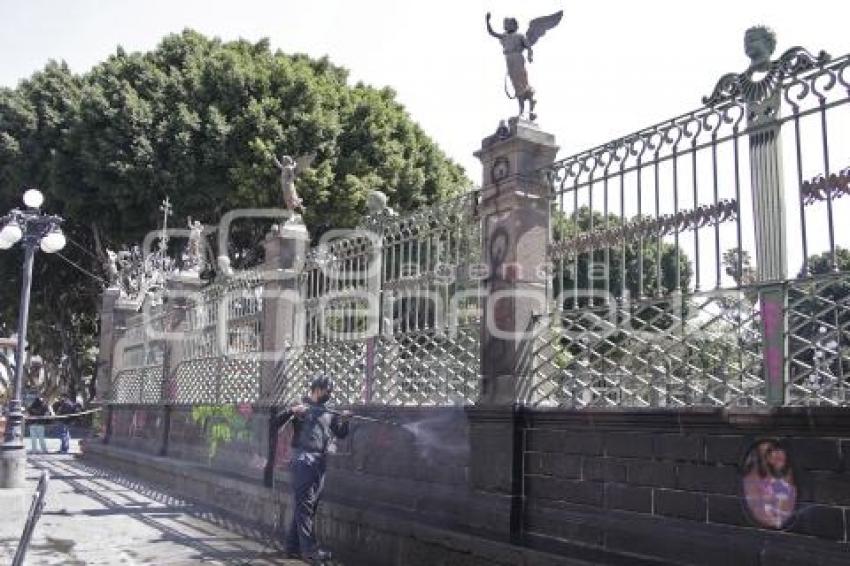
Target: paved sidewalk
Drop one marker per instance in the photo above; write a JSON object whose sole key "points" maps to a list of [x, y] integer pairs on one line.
{"points": [[93, 517]]}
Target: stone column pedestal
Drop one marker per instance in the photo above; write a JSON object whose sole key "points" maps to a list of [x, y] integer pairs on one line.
{"points": [[183, 292], [515, 207], [116, 313], [769, 224], [103, 376], [283, 317]]}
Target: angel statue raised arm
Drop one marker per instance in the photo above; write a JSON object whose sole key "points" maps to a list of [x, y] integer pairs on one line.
{"points": [[289, 170], [513, 45], [194, 256]]}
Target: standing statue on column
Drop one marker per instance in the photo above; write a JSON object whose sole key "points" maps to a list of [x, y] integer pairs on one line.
{"points": [[111, 265], [289, 170], [194, 259], [513, 46]]}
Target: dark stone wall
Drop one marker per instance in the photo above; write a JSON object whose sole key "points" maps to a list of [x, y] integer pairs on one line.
{"points": [[668, 484], [413, 467], [138, 427], [509, 486], [232, 439]]}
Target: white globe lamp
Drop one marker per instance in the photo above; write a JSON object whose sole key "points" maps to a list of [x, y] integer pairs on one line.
{"points": [[33, 198]]}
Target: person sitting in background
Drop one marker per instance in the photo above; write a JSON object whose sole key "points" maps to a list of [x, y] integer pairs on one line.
{"points": [[37, 409]]}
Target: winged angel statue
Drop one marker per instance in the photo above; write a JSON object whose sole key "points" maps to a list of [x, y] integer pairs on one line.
{"points": [[289, 170], [513, 45]]}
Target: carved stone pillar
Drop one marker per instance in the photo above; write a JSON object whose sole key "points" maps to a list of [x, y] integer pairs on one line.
{"points": [[183, 293], [283, 315], [770, 238], [122, 310], [108, 336], [515, 205]]}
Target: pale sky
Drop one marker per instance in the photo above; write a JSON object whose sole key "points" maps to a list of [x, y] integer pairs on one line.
{"points": [[610, 68]]}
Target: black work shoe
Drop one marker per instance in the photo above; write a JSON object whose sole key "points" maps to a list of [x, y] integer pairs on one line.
{"points": [[320, 556]]}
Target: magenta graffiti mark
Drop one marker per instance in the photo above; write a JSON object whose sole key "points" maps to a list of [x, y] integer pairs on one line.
{"points": [[771, 315], [772, 321]]}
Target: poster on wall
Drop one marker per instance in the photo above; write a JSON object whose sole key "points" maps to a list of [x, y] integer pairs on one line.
{"points": [[769, 485]]}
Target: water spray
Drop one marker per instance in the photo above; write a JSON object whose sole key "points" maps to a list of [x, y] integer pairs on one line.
{"points": [[362, 418]]}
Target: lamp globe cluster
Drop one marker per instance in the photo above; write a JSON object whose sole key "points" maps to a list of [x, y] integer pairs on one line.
{"points": [[33, 229], [47, 232]]}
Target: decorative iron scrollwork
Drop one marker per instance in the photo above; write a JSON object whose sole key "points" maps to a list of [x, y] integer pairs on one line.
{"points": [[138, 273], [648, 227], [742, 86], [823, 188]]}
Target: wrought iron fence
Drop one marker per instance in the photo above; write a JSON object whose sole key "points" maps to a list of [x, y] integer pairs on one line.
{"points": [[390, 309], [217, 380], [225, 318], [818, 314], [419, 368], [138, 385], [141, 344], [668, 244], [694, 262], [393, 311]]}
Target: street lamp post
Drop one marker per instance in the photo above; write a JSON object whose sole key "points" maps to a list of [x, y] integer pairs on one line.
{"points": [[32, 228]]}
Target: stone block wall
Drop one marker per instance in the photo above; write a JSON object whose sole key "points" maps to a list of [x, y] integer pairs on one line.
{"points": [[230, 438], [669, 484], [138, 427], [510, 486]]}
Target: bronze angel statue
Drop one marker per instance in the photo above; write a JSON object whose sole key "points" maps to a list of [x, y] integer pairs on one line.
{"points": [[513, 45], [289, 169]]}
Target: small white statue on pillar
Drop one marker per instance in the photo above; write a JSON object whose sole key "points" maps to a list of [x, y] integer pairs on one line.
{"points": [[111, 265], [289, 170], [193, 258], [376, 204]]}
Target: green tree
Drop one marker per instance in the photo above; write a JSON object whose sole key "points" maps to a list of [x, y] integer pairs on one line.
{"points": [[818, 314], [196, 119], [590, 271], [589, 337]]}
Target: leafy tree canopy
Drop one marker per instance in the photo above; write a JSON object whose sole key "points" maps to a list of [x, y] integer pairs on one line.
{"points": [[196, 119], [650, 269]]}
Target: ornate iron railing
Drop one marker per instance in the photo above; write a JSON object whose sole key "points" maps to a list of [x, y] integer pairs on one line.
{"points": [[138, 385], [141, 344], [669, 263], [418, 368], [218, 380], [818, 314], [225, 318], [393, 311], [664, 293]]}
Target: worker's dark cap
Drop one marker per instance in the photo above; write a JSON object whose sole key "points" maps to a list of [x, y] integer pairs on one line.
{"points": [[322, 381]]}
